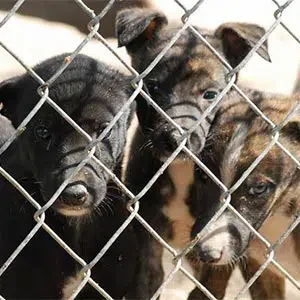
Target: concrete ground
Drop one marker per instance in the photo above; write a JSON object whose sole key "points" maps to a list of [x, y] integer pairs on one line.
{"points": [[180, 287]]}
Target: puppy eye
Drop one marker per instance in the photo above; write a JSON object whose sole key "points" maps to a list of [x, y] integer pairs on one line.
{"points": [[203, 177], [42, 132], [260, 189], [210, 94], [152, 85], [102, 127]]}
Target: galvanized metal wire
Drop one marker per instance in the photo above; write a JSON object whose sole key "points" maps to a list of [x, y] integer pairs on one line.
{"points": [[94, 27]]}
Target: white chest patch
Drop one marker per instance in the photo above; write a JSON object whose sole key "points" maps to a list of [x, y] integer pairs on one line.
{"points": [[70, 286], [176, 209]]}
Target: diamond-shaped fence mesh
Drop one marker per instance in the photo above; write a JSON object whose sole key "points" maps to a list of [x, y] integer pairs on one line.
{"points": [[40, 215]]}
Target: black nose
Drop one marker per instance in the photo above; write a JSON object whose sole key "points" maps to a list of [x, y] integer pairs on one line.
{"points": [[166, 140], [74, 195], [170, 140], [208, 255]]}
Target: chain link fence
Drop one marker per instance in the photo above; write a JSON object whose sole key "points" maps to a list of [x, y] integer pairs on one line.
{"points": [[94, 27]]}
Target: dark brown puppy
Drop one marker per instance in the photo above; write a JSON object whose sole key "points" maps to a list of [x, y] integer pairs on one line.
{"points": [[184, 83]]}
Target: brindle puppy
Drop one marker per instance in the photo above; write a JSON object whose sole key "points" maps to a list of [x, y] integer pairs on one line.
{"points": [[184, 83], [268, 198]]}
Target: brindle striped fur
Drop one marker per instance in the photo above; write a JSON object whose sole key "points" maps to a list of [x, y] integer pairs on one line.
{"points": [[270, 212]]}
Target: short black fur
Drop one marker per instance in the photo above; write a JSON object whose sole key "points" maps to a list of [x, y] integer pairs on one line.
{"points": [[41, 159]]}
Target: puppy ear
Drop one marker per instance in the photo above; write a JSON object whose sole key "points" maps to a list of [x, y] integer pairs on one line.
{"points": [[8, 93], [136, 26], [238, 39]]}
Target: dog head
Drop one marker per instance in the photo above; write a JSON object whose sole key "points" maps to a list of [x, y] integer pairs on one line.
{"points": [[270, 189], [188, 78], [90, 93]]}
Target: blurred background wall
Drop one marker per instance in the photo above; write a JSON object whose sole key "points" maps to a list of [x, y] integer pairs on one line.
{"points": [[42, 28], [67, 11]]}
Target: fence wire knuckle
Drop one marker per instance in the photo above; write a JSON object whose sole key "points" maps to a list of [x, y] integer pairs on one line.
{"points": [[94, 26]]}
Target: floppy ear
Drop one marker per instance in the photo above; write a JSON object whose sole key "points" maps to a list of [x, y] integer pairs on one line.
{"points": [[8, 94], [134, 27], [238, 39]]}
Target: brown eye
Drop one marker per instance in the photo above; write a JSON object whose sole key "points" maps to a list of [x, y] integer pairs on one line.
{"points": [[203, 177], [42, 132], [152, 85]]}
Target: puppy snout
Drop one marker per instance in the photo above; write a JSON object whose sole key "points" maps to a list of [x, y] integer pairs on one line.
{"points": [[171, 140], [74, 195], [195, 142], [167, 140], [208, 255]]}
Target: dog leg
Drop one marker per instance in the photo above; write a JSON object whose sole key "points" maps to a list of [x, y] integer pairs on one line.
{"points": [[150, 272], [214, 279], [269, 285]]}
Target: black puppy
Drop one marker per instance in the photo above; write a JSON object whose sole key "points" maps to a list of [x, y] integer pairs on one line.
{"points": [[184, 83], [90, 209]]}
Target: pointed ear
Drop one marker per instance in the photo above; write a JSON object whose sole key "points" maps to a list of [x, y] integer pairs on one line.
{"points": [[136, 26], [8, 94], [238, 39]]}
